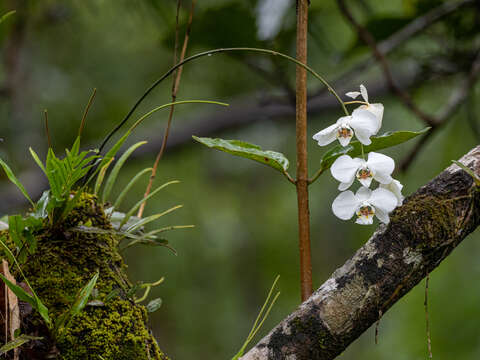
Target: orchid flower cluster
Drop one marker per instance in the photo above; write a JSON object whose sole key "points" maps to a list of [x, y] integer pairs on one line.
{"points": [[364, 122]]}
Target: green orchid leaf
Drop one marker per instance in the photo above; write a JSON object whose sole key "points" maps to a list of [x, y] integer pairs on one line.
{"points": [[273, 159], [354, 149]]}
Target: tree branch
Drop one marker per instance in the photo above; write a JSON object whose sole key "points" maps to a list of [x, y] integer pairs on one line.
{"points": [[421, 233]]}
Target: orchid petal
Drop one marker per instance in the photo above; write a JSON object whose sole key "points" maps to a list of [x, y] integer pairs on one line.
{"points": [[344, 168], [382, 167], [363, 91], [383, 200], [382, 216], [365, 124], [363, 194], [345, 205], [377, 110], [327, 135], [396, 188], [345, 185], [353, 94]]}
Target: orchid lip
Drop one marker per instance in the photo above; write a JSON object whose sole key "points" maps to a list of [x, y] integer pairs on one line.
{"points": [[365, 211], [364, 173], [344, 131]]}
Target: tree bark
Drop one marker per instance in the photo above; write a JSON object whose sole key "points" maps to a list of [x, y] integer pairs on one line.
{"points": [[422, 232]]}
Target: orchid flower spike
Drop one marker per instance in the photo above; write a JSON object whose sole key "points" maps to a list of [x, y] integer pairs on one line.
{"points": [[396, 188], [378, 167], [376, 109], [362, 123], [365, 204]]}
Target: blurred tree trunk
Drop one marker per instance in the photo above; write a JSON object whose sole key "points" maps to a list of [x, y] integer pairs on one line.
{"points": [[422, 232]]}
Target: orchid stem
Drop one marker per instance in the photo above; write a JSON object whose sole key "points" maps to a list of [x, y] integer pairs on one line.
{"points": [[316, 175], [212, 52]]}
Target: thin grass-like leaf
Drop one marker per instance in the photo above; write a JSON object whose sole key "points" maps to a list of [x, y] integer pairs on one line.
{"points": [[137, 205], [79, 304], [17, 342], [155, 242], [38, 161], [37, 304], [166, 228], [76, 146], [127, 188], [113, 151], [261, 317], [7, 15], [149, 219], [101, 176], [116, 169], [14, 180], [34, 301]]}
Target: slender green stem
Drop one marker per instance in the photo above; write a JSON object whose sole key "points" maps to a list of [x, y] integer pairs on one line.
{"points": [[363, 152], [211, 52], [316, 175], [260, 318], [170, 104]]}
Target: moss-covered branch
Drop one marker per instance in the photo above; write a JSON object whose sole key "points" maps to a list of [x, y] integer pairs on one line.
{"points": [[110, 327], [421, 233]]}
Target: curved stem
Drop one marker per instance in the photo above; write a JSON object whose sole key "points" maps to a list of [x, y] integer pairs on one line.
{"points": [[170, 104], [211, 52], [316, 175]]}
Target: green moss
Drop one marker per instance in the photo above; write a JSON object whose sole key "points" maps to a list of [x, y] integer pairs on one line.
{"points": [[434, 217], [65, 261], [110, 332]]}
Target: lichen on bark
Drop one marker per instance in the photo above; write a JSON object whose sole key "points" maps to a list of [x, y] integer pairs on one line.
{"points": [[64, 261]]}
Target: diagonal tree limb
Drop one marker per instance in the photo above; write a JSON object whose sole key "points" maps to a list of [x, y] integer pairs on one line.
{"points": [[421, 233]]}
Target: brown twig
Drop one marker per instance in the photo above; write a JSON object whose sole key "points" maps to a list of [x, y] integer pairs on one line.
{"points": [[47, 131], [302, 170], [175, 85], [85, 113], [427, 323]]}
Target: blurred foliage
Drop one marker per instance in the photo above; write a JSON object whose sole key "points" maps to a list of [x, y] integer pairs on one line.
{"points": [[244, 213]]}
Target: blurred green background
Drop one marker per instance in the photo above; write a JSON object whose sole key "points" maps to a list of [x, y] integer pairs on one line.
{"points": [[55, 52]]}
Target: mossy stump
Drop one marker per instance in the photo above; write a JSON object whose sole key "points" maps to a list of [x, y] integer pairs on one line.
{"points": [[64, 261]]}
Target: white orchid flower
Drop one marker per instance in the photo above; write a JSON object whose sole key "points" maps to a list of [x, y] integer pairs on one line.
{"points": [[365, 204], [396, 188], [376, 109], [362, 123], [377, 166]]}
